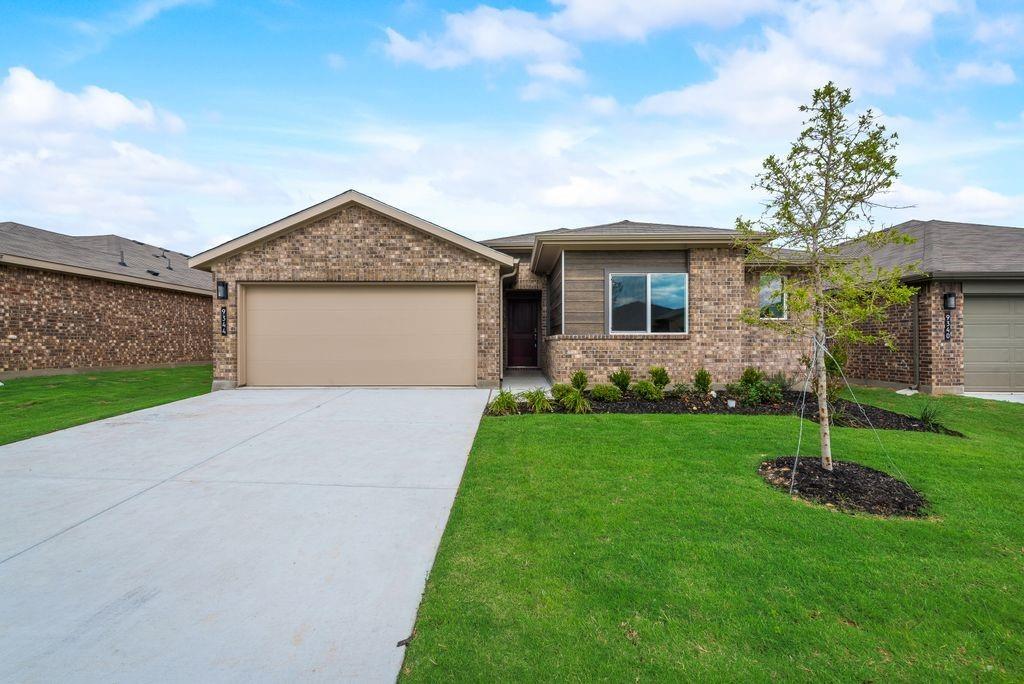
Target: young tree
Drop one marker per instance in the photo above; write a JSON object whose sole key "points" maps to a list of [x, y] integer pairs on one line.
{"points": [[820, 196]]}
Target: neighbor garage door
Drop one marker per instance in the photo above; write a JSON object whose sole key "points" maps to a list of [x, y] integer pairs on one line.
{"points": [[994, 343], [359, 335]]}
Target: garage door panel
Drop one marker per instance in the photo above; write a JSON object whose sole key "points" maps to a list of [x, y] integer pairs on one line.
{"points": [[360, 335], [994, 343]]}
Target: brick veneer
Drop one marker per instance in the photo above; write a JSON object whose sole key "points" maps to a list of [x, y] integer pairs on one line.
{"points": [[721, 289], [54, 320], [356, 244], [941, 361]]}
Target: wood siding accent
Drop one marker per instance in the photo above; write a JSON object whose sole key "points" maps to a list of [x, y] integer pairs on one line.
{"points": [[586, 276], [555, 300]]}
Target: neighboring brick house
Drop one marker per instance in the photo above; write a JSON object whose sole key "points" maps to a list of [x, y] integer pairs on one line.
{"points": [[352, 291], [71, 303], [964, 329]]}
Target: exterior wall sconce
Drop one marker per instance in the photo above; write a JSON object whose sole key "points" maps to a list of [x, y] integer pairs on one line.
{"points": [[949, 301], [222, 289]]}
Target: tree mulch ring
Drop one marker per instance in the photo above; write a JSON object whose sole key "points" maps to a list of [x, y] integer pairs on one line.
{"points": [[848, 486]]}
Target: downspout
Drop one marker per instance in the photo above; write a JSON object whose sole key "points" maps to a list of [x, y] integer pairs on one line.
{"points": [[501, 319], [915, 324]]}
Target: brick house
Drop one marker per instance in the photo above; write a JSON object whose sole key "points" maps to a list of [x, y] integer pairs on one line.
{"points": [[70, 303], [352, 291], [964, 329]]}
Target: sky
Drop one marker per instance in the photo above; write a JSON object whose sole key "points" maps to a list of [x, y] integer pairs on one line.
{"points": [[184, 123]]}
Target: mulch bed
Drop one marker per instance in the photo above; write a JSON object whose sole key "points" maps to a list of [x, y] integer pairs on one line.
{"points": [[845, 413], [848, 486]]}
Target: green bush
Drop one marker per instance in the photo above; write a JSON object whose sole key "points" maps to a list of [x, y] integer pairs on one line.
{"points": [[559, 390], [647, 390], [621, 379], [537, 400], [659, 376], [505, 404], [931, 414], [781, 380], [680, 389], [702, 381], [751, 376], [605, 393], [579, 380], [575, 402]]}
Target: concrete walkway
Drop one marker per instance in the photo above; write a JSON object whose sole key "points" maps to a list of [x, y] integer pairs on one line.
{"points": [[254, 535], [1012, 397]]}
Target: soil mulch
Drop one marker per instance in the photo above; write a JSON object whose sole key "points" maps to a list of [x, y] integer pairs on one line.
{"points": [[844, 414], [848, 486]]}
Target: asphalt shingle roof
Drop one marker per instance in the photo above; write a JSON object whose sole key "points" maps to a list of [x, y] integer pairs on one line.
{"points": [[102, 253], [950, 247], [623, 228]]}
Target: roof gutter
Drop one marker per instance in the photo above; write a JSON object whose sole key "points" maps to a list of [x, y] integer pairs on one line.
{"points": [[501, 320], [965, 275]]}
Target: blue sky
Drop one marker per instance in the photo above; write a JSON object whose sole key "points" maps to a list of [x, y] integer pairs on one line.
{"points": [[184, 123]]}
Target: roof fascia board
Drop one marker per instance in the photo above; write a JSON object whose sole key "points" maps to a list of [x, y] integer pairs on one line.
{"points": [[546, 249], [101, 275], [298, 219]]}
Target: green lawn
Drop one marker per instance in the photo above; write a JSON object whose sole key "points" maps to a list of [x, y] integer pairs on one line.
{"points": [[33, 406], [622, 548]]}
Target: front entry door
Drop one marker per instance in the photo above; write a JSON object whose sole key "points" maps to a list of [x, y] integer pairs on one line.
{"points": [[523, 316]]}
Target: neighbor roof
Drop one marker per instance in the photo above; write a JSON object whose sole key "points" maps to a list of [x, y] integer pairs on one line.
{"points": [[298, 219], [109, 257], [950, 248], [625, 228]]}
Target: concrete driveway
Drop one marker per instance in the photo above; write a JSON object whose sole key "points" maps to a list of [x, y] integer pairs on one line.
{"points": [[253, 535]]}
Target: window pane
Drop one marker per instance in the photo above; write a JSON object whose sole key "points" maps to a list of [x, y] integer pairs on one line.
{"points": [[668, 302], [629, 303], [771, 299]]}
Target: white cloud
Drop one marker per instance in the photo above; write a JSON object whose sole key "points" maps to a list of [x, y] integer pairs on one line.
{"points": [[969, 203], [27, 100], [335, 61], [601, 104], [997, 31], [101, 31], [556, 71], [991, 73], [632, 20], [64, 165], [482, 34], [867, 46]]}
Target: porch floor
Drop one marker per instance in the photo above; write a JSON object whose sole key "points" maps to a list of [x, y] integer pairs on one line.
{"points": [[526, 379]]}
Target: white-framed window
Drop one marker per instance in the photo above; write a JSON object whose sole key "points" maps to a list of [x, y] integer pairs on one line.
{"points": [[771, 298], [648, 303]]}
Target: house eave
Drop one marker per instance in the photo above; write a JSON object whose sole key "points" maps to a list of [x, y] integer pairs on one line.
{"points": [[546, 250], [41, 265]]}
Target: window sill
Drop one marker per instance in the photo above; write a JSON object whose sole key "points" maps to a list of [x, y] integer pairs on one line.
{"points": [[624, 336]]}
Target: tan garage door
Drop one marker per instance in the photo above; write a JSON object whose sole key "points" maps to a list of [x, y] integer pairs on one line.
{"points": [[993, 343], [298, 335]]}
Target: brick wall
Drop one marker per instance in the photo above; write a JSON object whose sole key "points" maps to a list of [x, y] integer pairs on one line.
{"points": [[941, 361], [53, 320], [356, 244], [719, 340]]}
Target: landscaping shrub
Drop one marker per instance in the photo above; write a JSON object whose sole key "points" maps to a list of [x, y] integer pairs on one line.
{"points": [[575, 402], [621, 379], [680, 389], [537, 400], [579, 380], [702, 381], [606, 393], [931, 414], [559, 390], [754, 388], [659, 376], [505, 404], [781, 380], [751, 376], [647, 390]]}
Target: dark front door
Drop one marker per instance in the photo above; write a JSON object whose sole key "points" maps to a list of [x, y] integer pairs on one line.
{"points": [[523, 317]]}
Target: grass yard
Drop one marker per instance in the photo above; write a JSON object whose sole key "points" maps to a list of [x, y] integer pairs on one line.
{"points": [[34, 406], [622, 548]]}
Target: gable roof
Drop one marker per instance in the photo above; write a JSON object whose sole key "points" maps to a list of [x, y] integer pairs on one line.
{"points": [[951, 248], [205, 259], [109, 257], [624, 228]]}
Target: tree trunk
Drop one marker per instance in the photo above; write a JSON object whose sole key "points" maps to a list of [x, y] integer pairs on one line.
{"points": [[823, 426]]}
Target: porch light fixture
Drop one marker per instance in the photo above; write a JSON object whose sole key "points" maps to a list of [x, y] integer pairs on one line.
{"points": [[949, 301], [222, 289]]}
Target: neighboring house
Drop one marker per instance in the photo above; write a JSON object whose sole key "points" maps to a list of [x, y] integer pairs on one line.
{"points": [[982, 346], [70, 303], [352, 291]]}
